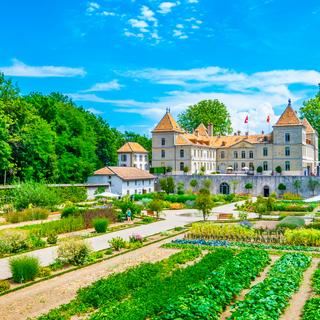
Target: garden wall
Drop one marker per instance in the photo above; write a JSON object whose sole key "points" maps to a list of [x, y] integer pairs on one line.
{"points": [[258, 182]]}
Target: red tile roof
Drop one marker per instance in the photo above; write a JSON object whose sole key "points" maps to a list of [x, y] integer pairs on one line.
{"points": [[132, 147]]}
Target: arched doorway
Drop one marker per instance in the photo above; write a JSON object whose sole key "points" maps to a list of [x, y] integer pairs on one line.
{"points": [[224, 188], [266, 191]]}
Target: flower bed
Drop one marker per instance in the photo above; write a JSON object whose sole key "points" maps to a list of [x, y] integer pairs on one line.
{"points": [[208, 299], [269, 298]]}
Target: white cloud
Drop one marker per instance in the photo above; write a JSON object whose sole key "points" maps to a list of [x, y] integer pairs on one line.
{"points": [[147, 14], [19, 69], [138, 23], [166, 7], [132, 34], [92, 7], [104, 86], [94, 111], [179, 26], [108, 13], [193, 1], [254, 94], [195, 27]]}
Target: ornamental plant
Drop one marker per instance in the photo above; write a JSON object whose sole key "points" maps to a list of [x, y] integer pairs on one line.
{"points": [[100, 225], [73, 252], [24, 268]]}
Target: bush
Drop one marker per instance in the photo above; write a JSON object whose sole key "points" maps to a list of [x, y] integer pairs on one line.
{"points": [[291, 196], [24, 268], [117, 243], [259, 169], [13, 241], [59, 226], [282, 187], [278, 169], [108, 213], [35, 194], [44, 272], [73, 252], [73, 194], [100, 225], [291, 222], [136, 238], [176, 206], [302, 237], [125, 203], [52, 238], [70, 211], [314, 225], [4, 285], [27, 215]]}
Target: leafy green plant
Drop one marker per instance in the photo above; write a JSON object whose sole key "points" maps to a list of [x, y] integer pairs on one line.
{"points": [[269, 298], [259, 169], [13, 241], [100, 225], [117, 243], [4, 285], [311, 309], [27, 215], [208, 299], [278, 169], [73, 252], [70, 211], [167, 184], [52, 238], [44, 272], [282, 187], [24, 268], [302, 237], [156, 205]]}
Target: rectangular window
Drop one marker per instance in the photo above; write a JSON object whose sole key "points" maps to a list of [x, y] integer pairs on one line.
{"points": [[287, 137], [235, 154], [265, 166], [135, 182], [181, 153], [128, 183], [251, 154], [123, 157], [287, 166], [163, 141], [287, 151], [243, 154], [181, 166], [222, 154], [163, 154], [265, 152], [146, 158]]}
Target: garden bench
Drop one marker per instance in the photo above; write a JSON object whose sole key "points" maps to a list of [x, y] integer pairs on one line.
{"points": [[224, 216]]}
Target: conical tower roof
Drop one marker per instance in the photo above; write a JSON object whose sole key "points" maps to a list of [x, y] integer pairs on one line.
{"points": [[167, 124], [288, 117]]}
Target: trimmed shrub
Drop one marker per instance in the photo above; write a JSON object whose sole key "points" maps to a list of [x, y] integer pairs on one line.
{"points": [[52, 238], [24, 268], [44, 272], [100, 225], [117, 243], [291, 222], [70, 211], [4, 285], [27, 215], [73, 252]]}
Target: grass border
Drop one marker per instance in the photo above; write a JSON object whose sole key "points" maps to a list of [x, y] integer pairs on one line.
{"points": [[28, 284]]}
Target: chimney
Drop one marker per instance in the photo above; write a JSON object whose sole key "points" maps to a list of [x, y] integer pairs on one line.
{"points": [[210, 129]]}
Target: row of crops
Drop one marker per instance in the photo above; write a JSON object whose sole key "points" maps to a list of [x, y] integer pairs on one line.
{"points": [[194, 285]]}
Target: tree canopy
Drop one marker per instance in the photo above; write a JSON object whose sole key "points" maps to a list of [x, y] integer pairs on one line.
{"points": [[49, 138], [207, 111]]}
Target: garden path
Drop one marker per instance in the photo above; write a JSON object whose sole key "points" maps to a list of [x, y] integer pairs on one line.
{"points": [[173, 218], [227, 313], [43, 296], [293, 312]]}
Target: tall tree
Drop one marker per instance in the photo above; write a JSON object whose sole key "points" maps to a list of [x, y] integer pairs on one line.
{"points": [[207, 111], [311, 111]]}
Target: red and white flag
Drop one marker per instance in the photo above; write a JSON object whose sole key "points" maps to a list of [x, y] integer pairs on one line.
{"points": [[246, 120], [268, 119]]}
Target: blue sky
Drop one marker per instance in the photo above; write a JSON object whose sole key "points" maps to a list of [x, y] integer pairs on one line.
{"points": [[129, 60]]}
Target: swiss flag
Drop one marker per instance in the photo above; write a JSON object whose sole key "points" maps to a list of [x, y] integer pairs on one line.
{"points": [[268, 119], [246, 119]]}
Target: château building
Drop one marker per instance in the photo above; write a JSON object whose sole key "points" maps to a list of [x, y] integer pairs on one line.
{"points": [[292, 145]]}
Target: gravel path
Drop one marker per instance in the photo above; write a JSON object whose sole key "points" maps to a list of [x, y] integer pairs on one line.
{"points": [[298, 300], [41, 297], [173, 218]]}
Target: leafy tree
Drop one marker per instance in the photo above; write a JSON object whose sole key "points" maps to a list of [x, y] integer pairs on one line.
{"points": [[259, 169], [282, 187], [207, 184], [234, 184], [180, 188], [313, 185], [248, 186], [186, 169], [297, 185], [167, 185], [311, 111], [193, 184], [156, 205], [278, 169], [207, 111], [204, 203]]}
